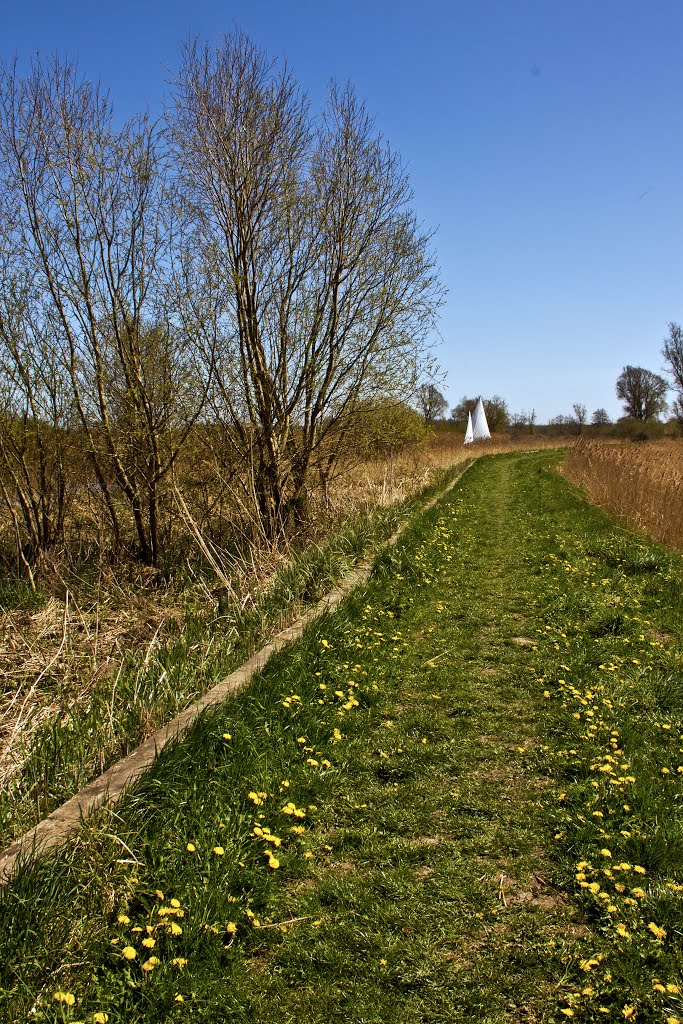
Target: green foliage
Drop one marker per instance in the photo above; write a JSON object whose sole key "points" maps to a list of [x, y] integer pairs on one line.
{"points": [[384, 430]]}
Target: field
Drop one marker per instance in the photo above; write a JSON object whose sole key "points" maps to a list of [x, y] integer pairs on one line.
{"points": [[455, 799], [641, 482], [102, 656]]}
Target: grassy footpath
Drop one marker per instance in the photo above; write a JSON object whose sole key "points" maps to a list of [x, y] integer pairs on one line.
{"points": [[457, 799], [99, 721]]}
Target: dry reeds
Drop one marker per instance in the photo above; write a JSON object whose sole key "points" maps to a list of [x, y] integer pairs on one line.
{"points": [[643, 482], [57, 660]]}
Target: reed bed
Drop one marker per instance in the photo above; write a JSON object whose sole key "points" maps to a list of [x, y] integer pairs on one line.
{"points": [[641, 482]]}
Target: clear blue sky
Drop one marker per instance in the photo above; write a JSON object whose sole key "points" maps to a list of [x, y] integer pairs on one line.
{"points": [[543, 139]]}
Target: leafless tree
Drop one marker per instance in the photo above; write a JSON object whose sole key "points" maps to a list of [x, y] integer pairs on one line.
{"points": [[673, 354], [431, 403], [642, 392], [600, 418], [497, 412], [580, 414], [89, 229], [36, 417], [317, 277]]}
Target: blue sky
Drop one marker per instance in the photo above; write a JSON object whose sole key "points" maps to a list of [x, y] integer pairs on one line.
{"points": [[543, 141]]}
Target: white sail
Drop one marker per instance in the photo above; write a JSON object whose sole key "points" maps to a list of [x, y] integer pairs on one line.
{"points": [[480, 427], [469, 433]]}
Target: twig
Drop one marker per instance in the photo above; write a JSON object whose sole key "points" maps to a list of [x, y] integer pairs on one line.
{"points": [[435, 658], [292, 920]]}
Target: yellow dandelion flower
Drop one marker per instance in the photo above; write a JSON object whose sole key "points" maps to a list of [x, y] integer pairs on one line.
{"points": [[273, 862], [605, 853], [179, 998], [231, 928], [179, 961], [128, 953], [219, 851], [567, 1012], [123, 919], [629, 1012], [191, 848], [149, 942], [623, 930], [175, 904], [176, 929], [659, 933], [150, 964], [673, 989], [227, 736], [159, 894], [68, 998], [100, 1017]]}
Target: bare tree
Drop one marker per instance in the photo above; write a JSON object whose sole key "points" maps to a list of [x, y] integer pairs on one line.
{"points": [[600, 418], [642, 392], [497, 413], [431, 403], [89, 230], [36, 417], [319, 280], [673, 354], [580, 414]]}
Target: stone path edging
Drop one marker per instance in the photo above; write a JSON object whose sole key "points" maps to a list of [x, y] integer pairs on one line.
{"points": [[109, 787]]}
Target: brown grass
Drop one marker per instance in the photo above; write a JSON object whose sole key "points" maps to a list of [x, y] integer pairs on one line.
{"points": [[53, 658], [386, 481], [642, 482]]}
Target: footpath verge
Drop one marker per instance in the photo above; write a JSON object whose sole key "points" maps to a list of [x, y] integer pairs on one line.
{"points": [[109, 787], [455, 799]]}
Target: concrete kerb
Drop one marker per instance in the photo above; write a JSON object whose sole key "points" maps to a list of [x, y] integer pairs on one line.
{"points": [[109, 787]]}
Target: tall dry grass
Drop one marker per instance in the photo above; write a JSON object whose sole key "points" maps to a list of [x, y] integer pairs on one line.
{"points": [[386, 481], [642, 482], [55, 656]]}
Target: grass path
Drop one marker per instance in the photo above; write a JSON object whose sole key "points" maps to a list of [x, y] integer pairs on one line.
{"points": [[406, 818]]}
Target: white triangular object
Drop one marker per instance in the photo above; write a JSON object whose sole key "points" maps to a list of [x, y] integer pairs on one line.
{"points": [[469, 433], [480, 427]]}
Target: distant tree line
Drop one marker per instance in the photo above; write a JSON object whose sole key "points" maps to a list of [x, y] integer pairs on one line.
{"points": [[215, 301]]}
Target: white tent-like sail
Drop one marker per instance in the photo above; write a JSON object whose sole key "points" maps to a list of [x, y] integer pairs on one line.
{"points": [[477, 426]]}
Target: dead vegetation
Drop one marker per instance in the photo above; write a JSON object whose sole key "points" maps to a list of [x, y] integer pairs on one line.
{"points": [[642, 482], [55, 656]]}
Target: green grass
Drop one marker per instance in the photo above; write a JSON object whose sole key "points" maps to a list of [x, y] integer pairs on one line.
{"points": [[445, 860], [85, 737]]}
